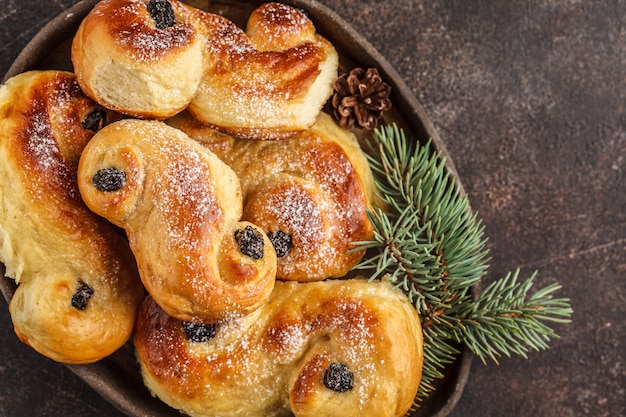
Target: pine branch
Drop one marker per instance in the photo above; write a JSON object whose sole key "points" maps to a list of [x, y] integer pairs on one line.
{"points": [[506, 320], [428, 243]]}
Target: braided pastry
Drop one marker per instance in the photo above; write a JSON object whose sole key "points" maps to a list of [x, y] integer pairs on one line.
{"points": [[180, 206], [154, 58], [319, 349], [78, 286], [309, 193]]}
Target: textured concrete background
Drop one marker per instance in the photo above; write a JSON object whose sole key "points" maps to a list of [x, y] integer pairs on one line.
{"points": [[529, 97]]}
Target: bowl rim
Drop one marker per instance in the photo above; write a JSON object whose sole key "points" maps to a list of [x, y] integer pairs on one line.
{"points": [[99, 375]]}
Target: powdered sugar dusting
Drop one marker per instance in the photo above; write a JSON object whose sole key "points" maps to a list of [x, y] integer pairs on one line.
{"points": [[53, 118], [40, 141], [152, 45], [295, 208], [133, 29], [226, 38], [186, 194], [276, 26]]}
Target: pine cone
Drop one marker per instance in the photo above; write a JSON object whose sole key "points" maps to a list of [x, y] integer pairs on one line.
{"points": [[360, 98]]}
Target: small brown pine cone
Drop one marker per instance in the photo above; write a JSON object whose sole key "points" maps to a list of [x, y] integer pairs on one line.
{"points": [[360, 98]]}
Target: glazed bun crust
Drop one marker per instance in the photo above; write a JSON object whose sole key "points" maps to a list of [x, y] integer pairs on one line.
{"points": [[180, 206], [78, 285], [274, 361], [126, 63]]}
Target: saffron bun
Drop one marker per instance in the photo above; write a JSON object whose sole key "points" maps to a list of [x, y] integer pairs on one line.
{"points": [[273, 83], [309, 193], [78, 286], [126, 63], [267, 82], [322, 349], [180, 206]]}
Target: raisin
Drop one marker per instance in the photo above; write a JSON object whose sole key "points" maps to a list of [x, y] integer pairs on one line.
{"points": [[109, 179], [82, 296], [250, 242], [162, 13], [338, 377], [95, 120], [199, 332], [282, 242]]}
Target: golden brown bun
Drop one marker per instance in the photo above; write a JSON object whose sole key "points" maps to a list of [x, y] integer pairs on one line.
{"points": [[312, 190], [268, 83], [217, 142], [78, 287], [180, 206], [124, 62], [274, 361], [273, 83]]}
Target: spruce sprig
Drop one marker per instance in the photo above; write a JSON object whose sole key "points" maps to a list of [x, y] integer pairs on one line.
{"points": [[430, 244], [506, 320]]}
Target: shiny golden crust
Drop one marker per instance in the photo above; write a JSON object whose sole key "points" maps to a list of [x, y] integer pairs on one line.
{"points": [[314, 187], [124, 62], [180, 206], [50, 242], [273, 361], [274, 83], [268, 83]]}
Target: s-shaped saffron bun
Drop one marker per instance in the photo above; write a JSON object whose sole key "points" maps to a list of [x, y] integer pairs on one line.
{"points": [[181, 207], [152, 59], [78, 287], [316, 349]]}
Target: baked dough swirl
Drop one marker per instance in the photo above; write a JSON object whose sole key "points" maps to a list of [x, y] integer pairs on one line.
{"points": [[318, 349], [180, 206], [152, 59], [309, 193], [269, 82], [126, 63], [79, 289]]}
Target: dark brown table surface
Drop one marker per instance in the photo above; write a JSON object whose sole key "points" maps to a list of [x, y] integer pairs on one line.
{"points": [[529, 97]]}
